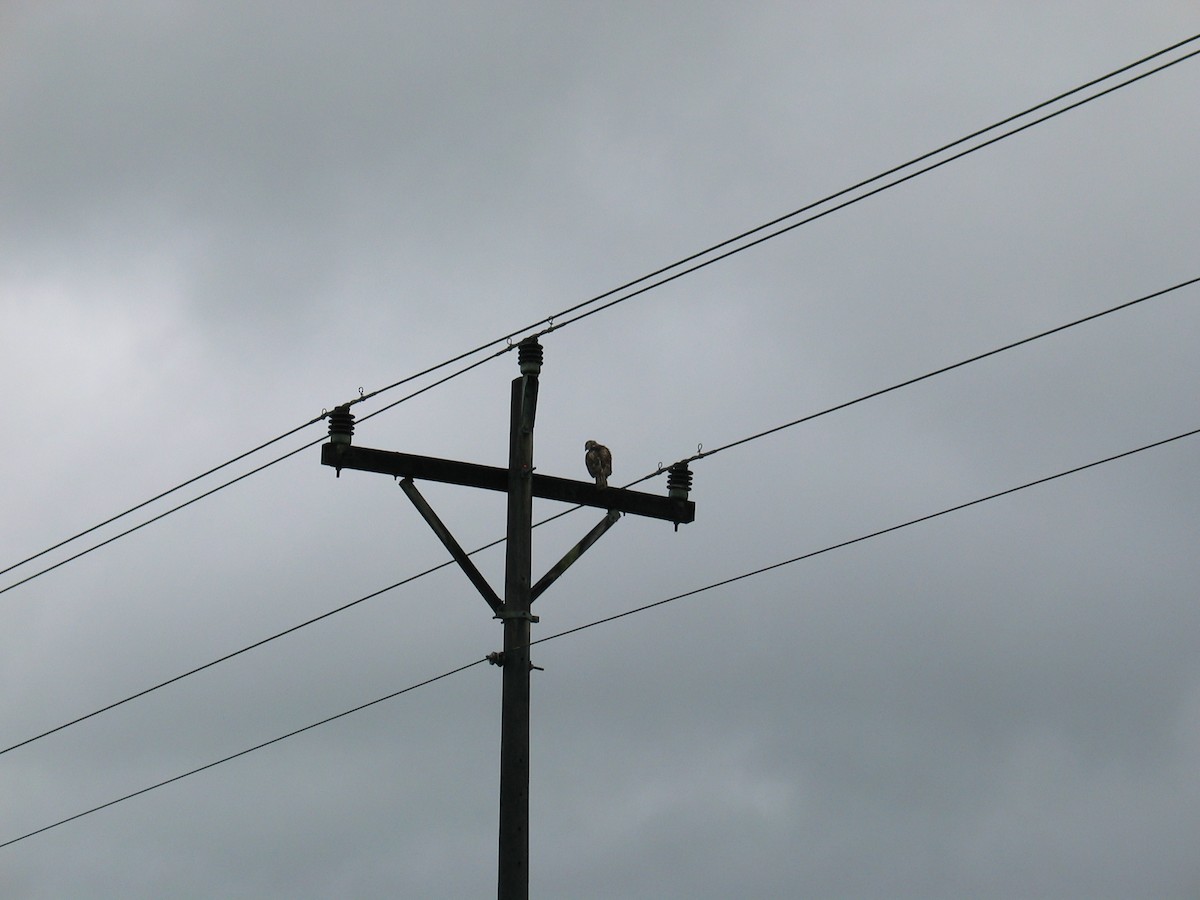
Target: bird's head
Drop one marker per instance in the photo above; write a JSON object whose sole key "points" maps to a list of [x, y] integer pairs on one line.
{"points": [[589, 445]]}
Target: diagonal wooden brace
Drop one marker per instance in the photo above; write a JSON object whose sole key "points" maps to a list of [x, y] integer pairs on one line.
{"points": [[573, 554], [456, 550]]}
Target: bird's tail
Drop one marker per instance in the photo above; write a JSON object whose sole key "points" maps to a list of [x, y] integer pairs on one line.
{"points": [[601, 481]]}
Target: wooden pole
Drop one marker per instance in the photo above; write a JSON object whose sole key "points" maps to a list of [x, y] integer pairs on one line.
{"points": [[522, 485], [513, 876]]}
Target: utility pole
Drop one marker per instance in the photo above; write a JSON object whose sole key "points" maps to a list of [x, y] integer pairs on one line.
{"points": [[521, 485], [513, 877]]}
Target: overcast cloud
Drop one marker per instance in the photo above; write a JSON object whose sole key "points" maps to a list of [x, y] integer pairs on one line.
{"points": [[219, 219]]}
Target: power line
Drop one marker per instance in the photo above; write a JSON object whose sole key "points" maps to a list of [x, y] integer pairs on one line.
{"points": [[550, 320], [701, 455], [246, 454], [162, 515], [873, 534], [874, 178], [219, 487], [940, 371], [160, 496], [708, 587], [853, 200], [234, 756], [266, 640]]}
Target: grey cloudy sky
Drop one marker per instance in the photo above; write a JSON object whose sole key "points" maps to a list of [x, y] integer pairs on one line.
{"points": [[218, 219]]}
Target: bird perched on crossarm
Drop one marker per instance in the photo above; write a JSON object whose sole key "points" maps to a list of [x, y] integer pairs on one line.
{"points": [[599, 462]]}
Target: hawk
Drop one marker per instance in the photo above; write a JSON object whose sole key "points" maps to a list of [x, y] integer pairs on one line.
{"points": [[599, 462]]}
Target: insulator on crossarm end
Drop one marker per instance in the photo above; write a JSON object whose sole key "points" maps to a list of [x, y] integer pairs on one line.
{"points": [[679, 483], [341, 429]]}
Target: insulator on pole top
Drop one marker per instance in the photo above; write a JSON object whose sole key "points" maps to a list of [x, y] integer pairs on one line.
{"points": [[341, 425], [529, 356], [679, 481]]}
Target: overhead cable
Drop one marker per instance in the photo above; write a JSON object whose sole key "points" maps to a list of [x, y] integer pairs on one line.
{"points": [[660, 470], [858, 197], [549, 321], [708, 587], [211, 491], [233, 756], [940, 371], [873, 534]]}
